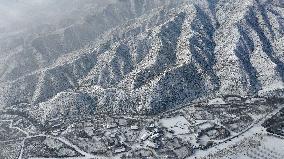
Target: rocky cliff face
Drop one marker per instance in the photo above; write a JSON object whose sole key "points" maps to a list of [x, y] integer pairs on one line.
{"points": [[153, 56]]}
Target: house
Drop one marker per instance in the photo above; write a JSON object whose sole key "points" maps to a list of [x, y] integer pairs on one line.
{"points": [[134, 127], [111, 125], [151, 144], [155, 135], [256, 101], [152, 125], [113, 135], [119, 149], [233, 99], [145, 135]]}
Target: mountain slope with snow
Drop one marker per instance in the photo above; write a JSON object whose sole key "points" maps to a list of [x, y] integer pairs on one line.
{"points": [[160, 56]]}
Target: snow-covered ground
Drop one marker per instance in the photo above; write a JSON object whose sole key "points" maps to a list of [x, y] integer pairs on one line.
{"points": [[178, 124]]}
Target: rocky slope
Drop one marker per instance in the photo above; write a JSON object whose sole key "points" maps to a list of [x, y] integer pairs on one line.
{"points": [[154, 58]]}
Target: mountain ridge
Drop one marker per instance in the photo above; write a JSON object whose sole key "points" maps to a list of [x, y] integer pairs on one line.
{"points": [[169, 57]]}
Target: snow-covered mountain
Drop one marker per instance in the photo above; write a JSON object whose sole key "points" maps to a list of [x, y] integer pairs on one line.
{"points": [[146, 56]]}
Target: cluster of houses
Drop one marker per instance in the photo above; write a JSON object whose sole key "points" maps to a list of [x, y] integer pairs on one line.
{"points": [[176, 134]]}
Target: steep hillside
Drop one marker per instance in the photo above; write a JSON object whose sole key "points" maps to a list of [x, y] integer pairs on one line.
{"points": [[29, 49], [157, 57]]}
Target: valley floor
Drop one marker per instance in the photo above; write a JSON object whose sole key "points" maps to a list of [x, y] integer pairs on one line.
{"points": [[203, 130]]}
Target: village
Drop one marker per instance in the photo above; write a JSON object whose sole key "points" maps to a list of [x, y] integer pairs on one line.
{"points": [[174, 134], [179, 133]]}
